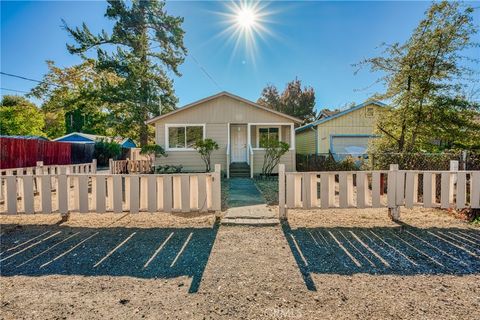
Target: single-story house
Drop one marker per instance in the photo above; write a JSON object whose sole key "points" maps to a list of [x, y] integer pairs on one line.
{"points": [[79, 137], [345, 132], [236, 124]]}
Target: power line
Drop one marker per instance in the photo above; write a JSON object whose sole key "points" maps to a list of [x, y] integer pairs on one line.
{"points": [[19, 77], [205, 72], [13, 90]]}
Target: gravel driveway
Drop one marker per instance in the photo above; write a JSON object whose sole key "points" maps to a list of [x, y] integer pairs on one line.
{"points": [[322, 264]]}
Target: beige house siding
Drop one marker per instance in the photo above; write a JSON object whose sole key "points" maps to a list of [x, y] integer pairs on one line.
{"points": [[355, 122], [288, 159], [215, 114], [305, 142]]}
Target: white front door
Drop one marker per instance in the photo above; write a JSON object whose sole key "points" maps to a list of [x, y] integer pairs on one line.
{"points": [[238, 143]]}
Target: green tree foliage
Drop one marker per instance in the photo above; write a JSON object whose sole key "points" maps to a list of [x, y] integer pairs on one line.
{"points": [[274, 150], [105, 150], [205, 147], [18, 116], [426, 79], [296, 101], [144, 44], [76, 95]]}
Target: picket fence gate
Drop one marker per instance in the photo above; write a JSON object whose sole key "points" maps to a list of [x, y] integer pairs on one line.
{"points": [[117, 193], [363, 189]]}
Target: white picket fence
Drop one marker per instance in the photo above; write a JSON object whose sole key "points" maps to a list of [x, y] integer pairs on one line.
{"points": [[52, 169], [308, 190], [112, 193]]}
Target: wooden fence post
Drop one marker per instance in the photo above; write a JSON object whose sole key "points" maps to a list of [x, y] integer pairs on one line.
{"points": [[282, 210], [94, 166], [454, 165], [393, 208], [110, 166], [217, 190]]}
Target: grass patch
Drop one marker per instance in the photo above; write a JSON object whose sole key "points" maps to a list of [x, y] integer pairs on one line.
{"points": [[269, 189]]}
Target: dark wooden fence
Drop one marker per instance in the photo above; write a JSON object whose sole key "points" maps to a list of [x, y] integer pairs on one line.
{"points": [[18, 153]]}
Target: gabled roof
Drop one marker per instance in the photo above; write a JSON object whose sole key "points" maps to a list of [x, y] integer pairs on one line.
{"points": [[94, 137], [339, 114], [223, 93]]}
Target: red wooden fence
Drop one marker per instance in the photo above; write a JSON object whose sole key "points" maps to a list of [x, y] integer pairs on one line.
{"points": [[18, 153]]}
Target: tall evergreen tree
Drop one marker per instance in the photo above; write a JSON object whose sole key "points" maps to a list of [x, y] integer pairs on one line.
{"points": [[426, 78], [146, 43]]}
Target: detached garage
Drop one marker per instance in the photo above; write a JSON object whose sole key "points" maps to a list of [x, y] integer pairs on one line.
{"points": [[343, 133]]}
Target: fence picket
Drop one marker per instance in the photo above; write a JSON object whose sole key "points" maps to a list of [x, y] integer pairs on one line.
{"points": [[409, 189], [362, 189], [62, 194], [11, 194], [46, 194], [376, 192], [445, 190], [167, 193], [194, 192], [185, 193], [343, 189], [306, 191], [290, 191], [144, 193], [202, 194], [117, 194], [28, 195], [428, 189], [475, 191], [461, 190], [100, 197], [151, 190], [134, 193], [83, 193], [159, 206]]}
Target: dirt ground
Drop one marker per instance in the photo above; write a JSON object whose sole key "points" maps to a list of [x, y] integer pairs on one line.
{"points": [[331, 264]]}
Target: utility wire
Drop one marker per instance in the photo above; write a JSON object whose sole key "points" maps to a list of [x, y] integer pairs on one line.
{"points": [[13, 90], [205, 72], [19, 77]]}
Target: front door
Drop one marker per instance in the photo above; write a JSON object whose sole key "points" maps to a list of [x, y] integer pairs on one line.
{"points": [[238, 143]]}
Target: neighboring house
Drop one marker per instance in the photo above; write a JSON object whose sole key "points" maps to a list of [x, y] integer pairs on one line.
{"points": [[345, 132], [79, 137], [235, 123]]}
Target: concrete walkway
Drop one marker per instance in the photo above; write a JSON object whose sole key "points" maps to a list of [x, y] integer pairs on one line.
{"points": [[247, 205]]}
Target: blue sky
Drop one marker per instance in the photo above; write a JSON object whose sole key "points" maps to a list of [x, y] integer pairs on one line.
{"points": [[315, 41]]}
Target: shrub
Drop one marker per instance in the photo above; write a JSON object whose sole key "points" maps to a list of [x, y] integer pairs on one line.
{"points": [[205, 148], [274, 150], [104, 150], [168, 169], [153, 149]]}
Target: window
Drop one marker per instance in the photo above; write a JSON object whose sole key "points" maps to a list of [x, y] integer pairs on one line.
{"points": [[184, 136], [369, 112], [267, 134]]}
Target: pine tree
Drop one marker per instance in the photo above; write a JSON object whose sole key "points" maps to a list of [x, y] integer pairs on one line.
{"points": [[147, 42]]}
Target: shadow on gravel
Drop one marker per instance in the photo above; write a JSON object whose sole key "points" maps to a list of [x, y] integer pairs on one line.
{"points": [[403, 250], [135, 252]]}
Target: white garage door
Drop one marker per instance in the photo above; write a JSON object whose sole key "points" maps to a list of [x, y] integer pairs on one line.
{"points": [[350, 144]]}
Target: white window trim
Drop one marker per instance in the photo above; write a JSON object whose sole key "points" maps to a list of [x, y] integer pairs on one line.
{"points": [[272, 124], [267, 127], [180, 125]]}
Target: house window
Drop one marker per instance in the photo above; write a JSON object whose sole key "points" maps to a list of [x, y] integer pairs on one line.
{"points": [[184, 136], [369, 112], [267, 134]]}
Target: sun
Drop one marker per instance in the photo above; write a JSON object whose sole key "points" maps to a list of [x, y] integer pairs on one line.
{"points": [[246, 18], [245, 23]]}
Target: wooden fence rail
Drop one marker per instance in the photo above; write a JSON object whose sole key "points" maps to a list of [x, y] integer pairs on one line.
{"points": [[362, 189], [113, 193]]}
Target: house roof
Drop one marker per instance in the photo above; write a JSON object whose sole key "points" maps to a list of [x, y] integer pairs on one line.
{"points": [[223, 93], [25, 137], [339, 114], [94, 137]]}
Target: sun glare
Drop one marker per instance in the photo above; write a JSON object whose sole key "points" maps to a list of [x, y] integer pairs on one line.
{"points": [[246, 23], [246, 18]]}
